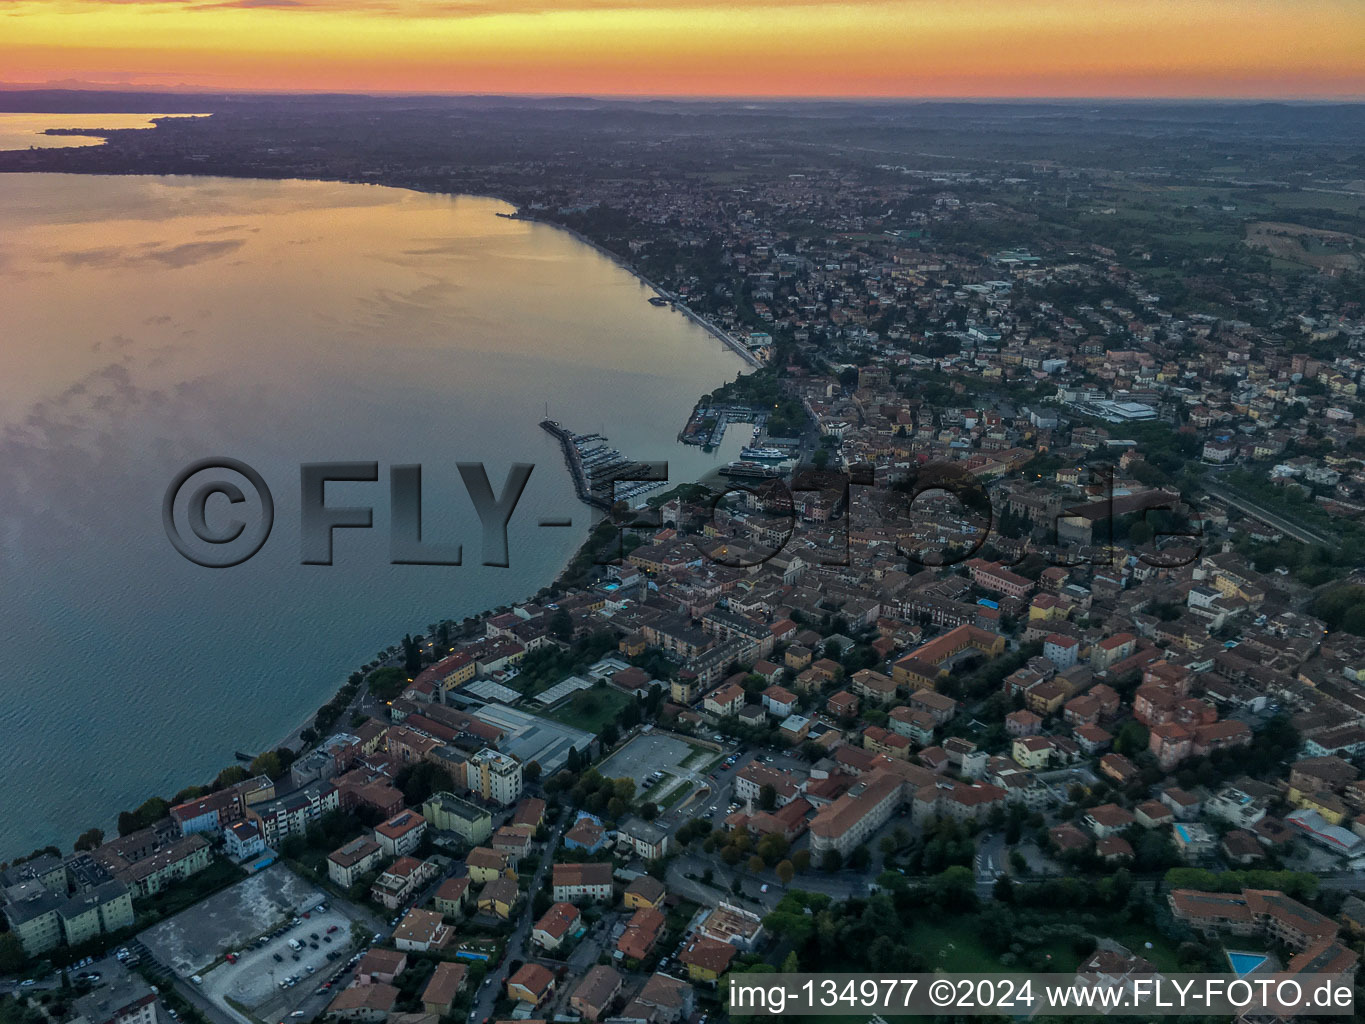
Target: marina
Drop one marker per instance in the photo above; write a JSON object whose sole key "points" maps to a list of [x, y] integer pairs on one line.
{"points": [[602, 476]]}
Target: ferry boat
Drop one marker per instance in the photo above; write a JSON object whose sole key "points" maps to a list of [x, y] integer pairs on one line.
{"points": [[762, 453], [753, 469]]}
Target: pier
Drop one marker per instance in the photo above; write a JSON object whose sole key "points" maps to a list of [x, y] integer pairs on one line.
{"points": [[595, 468]]}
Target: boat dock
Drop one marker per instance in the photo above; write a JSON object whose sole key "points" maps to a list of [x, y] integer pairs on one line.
{"points": [[595, 468]]}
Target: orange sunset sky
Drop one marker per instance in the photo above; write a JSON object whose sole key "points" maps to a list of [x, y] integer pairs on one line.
{"points": [[1225, 48]]}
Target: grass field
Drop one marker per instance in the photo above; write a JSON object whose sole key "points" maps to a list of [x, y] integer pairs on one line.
{"points": [[591, 715]]}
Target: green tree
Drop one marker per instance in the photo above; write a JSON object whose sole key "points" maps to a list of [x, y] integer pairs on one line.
{"points": [[12, 956], [230, 776], [412, 655], [561, 625], [1131, 740], [89, 839], [955, 888], [269, 764], [786, 871], [388, 683]]}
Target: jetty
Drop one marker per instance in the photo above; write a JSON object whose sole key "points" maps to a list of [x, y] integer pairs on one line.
{"points": [[595, 468]]}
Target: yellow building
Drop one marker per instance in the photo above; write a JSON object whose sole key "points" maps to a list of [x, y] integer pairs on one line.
{"points": [[1325, 804], [1045, 698], [707, 958], [1031, 752], [486, 864], [645, 893], [499, 898], [916, 674]]}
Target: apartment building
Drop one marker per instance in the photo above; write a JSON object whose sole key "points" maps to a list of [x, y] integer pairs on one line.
{"points": [[495, 776], [347, 864], [853, 818], [575, 883], [450, 813], [401, 834]]}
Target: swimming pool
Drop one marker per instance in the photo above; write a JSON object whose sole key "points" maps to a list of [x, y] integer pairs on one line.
{"points": [[1245, 963]]}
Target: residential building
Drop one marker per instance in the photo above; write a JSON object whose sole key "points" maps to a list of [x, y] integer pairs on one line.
{"points": [[495, 776], [574, 883], [450, 813], [706, 959], [422, 931], [452, 897], [556, 925], [445, 984], [641, 933], [531, 983], [401, 834], [346, 864], [594, 995]]}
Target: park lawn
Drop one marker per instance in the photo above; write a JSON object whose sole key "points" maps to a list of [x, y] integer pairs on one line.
{"points": [[605, 707], [955, 946], [952, 946]]}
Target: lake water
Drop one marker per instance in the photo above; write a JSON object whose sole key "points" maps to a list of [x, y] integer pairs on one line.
{"points": [[24, 131], [147, 322]]}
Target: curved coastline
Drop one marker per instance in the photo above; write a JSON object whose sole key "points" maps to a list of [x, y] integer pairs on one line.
{"points": [[293, 737]]}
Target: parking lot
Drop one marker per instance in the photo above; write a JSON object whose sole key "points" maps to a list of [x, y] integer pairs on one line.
{"points": [[254, 920], [196, 938], [273, 978], [646, 754]]}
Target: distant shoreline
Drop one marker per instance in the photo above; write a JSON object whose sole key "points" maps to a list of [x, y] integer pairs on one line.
{"points": [[724, 336]]}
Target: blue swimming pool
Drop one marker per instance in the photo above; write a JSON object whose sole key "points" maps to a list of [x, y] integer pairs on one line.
{"points": [[1245, 963]]}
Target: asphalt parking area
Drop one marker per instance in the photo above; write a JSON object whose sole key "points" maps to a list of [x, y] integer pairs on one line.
{"points": [[228, 920], [644, 755], [276, 977]]}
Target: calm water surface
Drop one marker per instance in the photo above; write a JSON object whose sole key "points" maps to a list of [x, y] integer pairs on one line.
{"points": [[25, 131], [146, 322]]}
